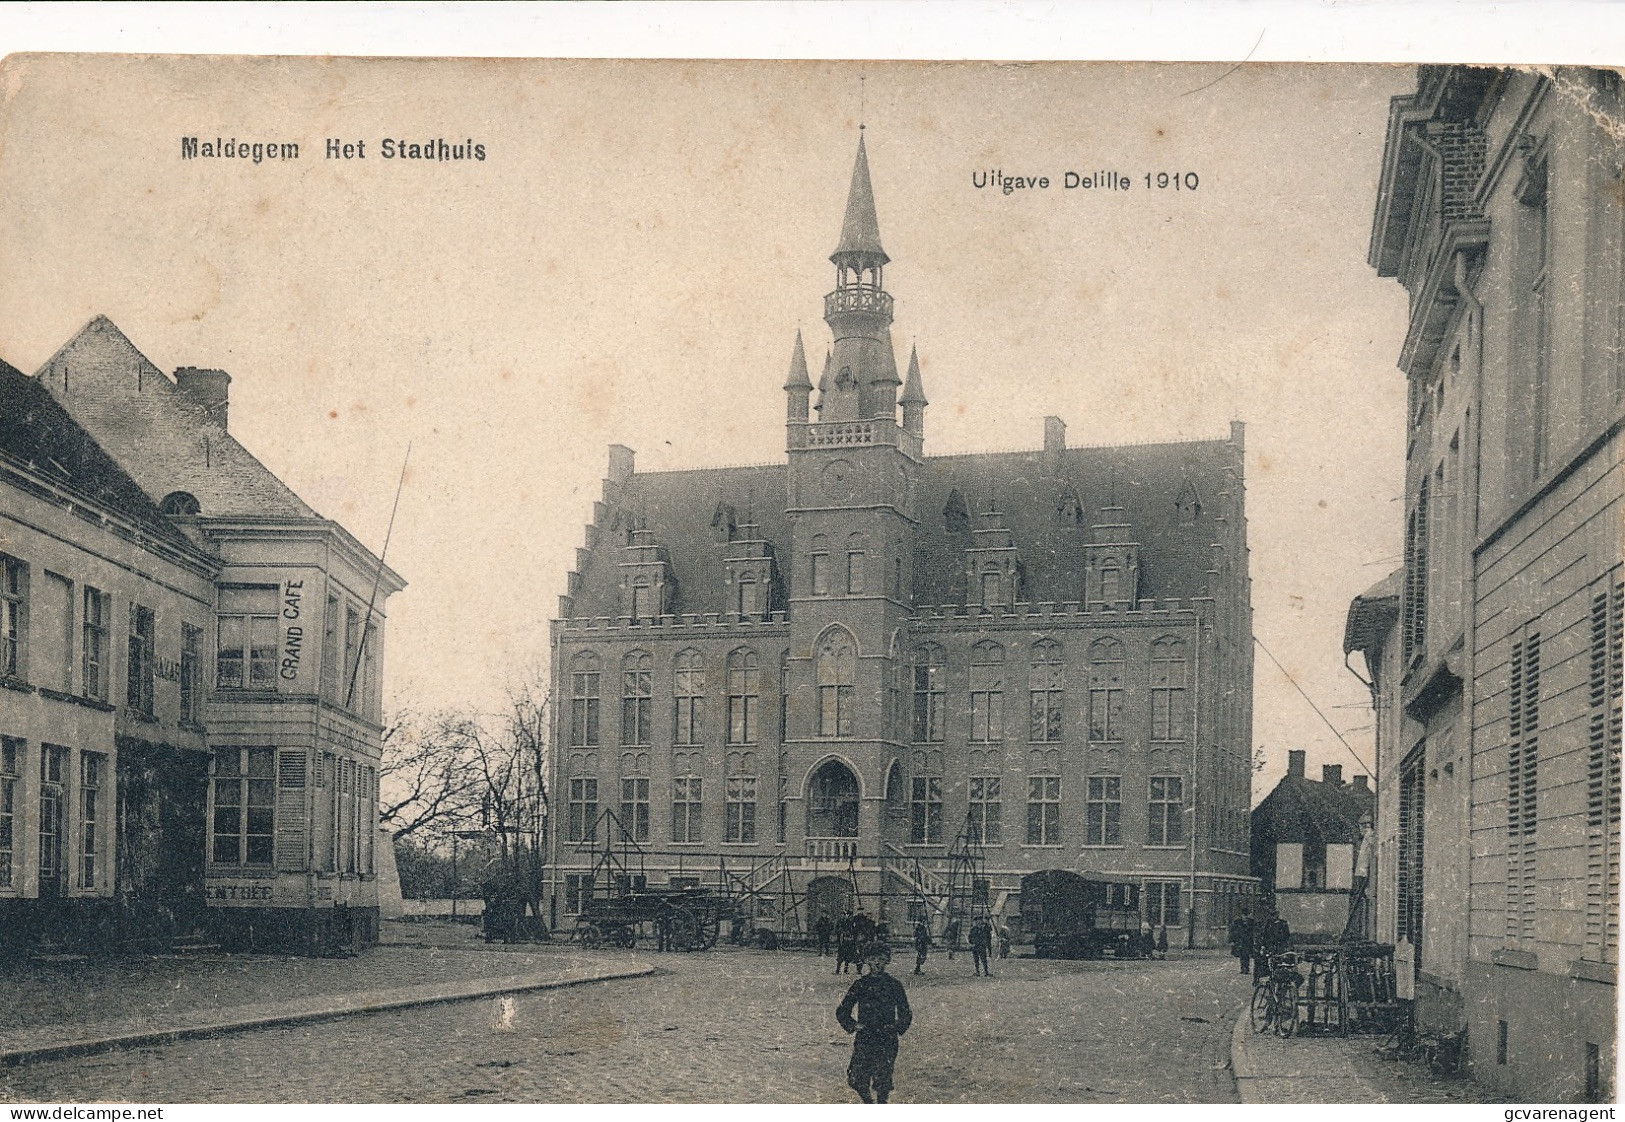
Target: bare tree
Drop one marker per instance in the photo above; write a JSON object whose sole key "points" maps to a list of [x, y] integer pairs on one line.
{"points": [[508, 757], [427, 781]]}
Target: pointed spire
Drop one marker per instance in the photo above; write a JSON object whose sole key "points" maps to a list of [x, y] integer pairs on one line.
{"points": [[860, 231], [913, 391], [798, 367], [823, 379]]}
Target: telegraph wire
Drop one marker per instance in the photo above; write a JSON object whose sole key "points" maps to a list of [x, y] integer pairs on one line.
{"points": [[1313, 706]]}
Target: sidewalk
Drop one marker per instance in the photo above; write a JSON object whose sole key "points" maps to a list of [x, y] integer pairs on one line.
{"points": [[61, 1009], [1335, 1069]]}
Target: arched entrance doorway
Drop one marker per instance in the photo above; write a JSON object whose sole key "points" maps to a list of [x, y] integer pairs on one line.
{"points": [[832, 805], [829, 896]]}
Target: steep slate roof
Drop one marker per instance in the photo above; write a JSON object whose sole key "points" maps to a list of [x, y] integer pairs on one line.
{"points": [[1029, 488], [37, 432], [164, 440], [860, 229], [1303, 810], [1372, 613]]}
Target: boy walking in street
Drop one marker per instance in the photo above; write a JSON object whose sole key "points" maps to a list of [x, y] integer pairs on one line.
{"points": [[922, 944], [981, 947], [883, 1016]]}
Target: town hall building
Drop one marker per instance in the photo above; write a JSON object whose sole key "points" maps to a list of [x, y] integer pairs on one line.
{"points": [[846, 679]]}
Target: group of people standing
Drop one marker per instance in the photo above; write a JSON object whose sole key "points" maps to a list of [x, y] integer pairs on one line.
{"points": [[1254, 941], [851, 936]]}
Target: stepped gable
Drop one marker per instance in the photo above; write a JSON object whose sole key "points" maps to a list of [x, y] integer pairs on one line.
{"points": [[166, 441], [37, 432], [1029, 489], [679, 508]]}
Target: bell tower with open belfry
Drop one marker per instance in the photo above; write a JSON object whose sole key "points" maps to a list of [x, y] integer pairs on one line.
{"points": [[852, 477]]}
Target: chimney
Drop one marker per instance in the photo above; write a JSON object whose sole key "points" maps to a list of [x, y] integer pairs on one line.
{"points": [[1054, 434], [1359, 785], [207, 389], [1332, 774], [620, 463], [1294, 763], [1238, 434]]}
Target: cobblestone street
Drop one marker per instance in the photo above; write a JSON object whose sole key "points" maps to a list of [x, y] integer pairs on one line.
{"points": [[728, 1026]]}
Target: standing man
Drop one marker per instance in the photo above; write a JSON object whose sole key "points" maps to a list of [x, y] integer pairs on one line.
{"points": [[1354, 930], [883, 1017], [922, 943], [981, 946], [950, 935], [1241, 938]]}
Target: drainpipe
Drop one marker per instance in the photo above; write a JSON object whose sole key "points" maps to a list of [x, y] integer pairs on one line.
{"points": [[1196, 729]]}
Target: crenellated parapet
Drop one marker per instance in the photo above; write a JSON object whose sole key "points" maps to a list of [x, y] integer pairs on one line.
{"points": [[1145, 613], [684, 625]]}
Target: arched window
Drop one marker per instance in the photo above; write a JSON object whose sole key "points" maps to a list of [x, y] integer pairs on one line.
{"points": [[955, 514], [1106, 667], [837, 672], [180, 502], [643, 598], [1169, 714], [688, 689], [986, 692], [819, 567], [585, 674], [832, 810], [925, 800], [930, 685], [744, 696], [1046, 691], [636, 697]]}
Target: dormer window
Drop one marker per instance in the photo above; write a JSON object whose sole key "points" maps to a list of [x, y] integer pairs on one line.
{"points": [[991, 595], [1111, 583], [643, 599], [748, 600]]}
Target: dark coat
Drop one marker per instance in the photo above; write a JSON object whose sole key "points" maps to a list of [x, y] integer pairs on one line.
{"points": [[881, 1004]]}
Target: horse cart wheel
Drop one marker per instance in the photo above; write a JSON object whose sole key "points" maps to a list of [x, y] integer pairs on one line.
{"points": [[590, 936]]}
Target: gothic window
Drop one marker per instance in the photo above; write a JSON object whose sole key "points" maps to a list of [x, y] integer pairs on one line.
{"points": [[744, 696], [1188, 505], [637, 696], [896, 717], [1068, 509], [635, 809], [741, 823], [986, 810], [585, 674], [930, 685], [1168, 711], [1046, 691], [819, 567], [1103, 823], [832, 810], [1106, 669], [1167, 811], [837, 673], [1044, 810], [987, 693], [686, 804], [583, 810], [955, 514], [688, 686], [925, 810]]}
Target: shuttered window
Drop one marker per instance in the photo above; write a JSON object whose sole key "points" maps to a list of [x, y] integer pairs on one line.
{"points": [[1523, 759], [291, 834], [1602, 771]]}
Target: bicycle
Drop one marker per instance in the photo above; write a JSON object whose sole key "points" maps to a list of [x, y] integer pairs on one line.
{"points": [[1275, 996]]}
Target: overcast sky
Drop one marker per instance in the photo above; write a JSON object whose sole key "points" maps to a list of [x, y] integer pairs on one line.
{"points": [[633, 258]]}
